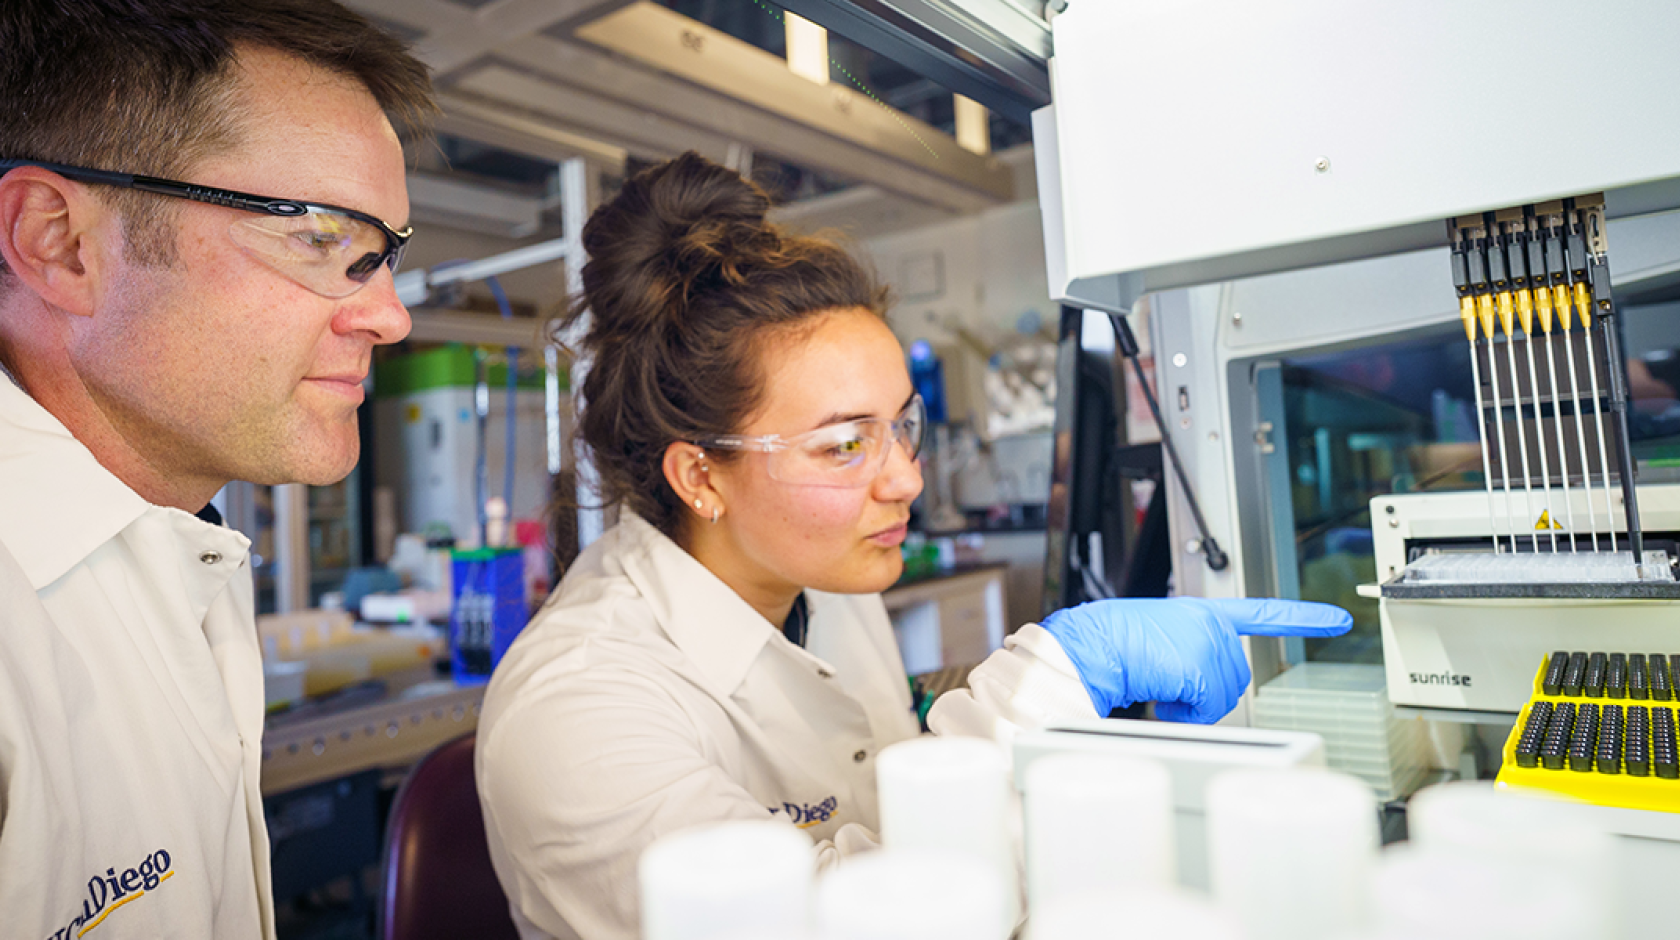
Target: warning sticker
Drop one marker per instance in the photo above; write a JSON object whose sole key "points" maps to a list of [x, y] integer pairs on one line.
{"points": [[1546, 522]]}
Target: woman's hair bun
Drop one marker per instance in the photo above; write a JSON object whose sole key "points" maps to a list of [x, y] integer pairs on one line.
{"points": [[685, 279], [673, 231]]}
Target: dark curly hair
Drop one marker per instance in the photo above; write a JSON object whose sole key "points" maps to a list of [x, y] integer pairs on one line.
{"points": [[686, 280]]}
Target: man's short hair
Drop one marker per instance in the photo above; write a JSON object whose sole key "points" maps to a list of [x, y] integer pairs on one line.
{"points": [[142, 86]]}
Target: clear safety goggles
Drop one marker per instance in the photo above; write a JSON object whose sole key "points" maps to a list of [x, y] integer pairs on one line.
{"points": [[848, 454], [328, 249]]}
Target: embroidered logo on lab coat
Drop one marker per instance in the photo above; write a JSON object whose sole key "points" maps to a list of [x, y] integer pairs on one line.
{"points": [[806, 815], [107, 892]]}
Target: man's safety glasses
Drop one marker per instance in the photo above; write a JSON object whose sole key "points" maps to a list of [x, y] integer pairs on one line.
{"points": [[331, 250], [848, 454]]}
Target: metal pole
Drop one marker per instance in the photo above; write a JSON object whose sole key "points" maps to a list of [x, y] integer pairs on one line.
{"points": [[574, 213]]}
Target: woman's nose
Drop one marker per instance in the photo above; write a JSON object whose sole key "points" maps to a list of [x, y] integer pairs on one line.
{"points": [[901, 477]]}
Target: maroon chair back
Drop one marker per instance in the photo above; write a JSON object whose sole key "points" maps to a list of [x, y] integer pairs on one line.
{"points": [[438, 883]]}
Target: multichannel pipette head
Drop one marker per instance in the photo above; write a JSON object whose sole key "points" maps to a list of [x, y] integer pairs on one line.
{"points": [[1545, 262]]}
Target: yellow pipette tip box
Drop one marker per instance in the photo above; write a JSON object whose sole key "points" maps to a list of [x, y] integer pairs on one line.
{"points": [[1567, 760]]}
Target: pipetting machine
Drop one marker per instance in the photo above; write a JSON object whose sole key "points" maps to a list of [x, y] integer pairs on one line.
{"points": [[1391, 339]]}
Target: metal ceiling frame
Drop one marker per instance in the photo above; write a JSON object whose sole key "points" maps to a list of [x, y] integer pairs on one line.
{"points": [[852, 130], [996, 52], [525, 75]]}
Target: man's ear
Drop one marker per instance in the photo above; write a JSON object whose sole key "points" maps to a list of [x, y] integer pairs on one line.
{"points": [[48, 232]]}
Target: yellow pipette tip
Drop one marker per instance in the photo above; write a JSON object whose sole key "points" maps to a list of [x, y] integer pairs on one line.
{"points": [[1505, 313], [1525, 311], [1543, 306], [1484, 313], [1565, 307], [1467, 313]]}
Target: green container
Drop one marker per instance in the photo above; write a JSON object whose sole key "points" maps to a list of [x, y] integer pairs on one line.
{"points": [[452, 366]]}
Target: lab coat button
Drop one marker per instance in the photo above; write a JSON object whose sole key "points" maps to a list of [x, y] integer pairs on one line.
{"points": [[860, 757], [209, 557]]}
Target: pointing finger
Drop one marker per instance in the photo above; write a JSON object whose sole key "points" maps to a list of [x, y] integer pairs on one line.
{"points": [[1265, 616]]}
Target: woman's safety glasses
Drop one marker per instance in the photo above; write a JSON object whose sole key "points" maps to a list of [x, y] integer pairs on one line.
{"points": [[848, 454], [331, 250]]}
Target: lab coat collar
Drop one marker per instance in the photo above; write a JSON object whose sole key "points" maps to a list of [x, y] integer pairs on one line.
{"points": [[57, 504], [717, 630]]}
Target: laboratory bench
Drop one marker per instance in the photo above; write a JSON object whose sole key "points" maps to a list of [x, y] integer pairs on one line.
{"points": [[331, 765], [385, 724]]}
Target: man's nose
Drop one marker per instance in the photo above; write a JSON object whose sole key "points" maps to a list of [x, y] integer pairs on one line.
{"points": [[376, 311]]}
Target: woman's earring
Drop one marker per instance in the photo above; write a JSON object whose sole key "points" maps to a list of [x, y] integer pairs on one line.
{"points": [[715, 513], [698, 504]]}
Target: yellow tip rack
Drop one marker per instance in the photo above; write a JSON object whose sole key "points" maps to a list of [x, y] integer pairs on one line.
{"points": [[1600, 727]]}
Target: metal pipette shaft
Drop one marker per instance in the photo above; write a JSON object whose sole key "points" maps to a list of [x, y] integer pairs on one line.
{"points": [[1468, 313], [1598, 422], [1580, 423], [1531, 258], [1522, 434], [1557, 419], [1539, 439], [1485, 316]]}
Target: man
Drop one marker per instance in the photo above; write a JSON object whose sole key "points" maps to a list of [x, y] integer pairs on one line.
{"points": [[159, 340]]}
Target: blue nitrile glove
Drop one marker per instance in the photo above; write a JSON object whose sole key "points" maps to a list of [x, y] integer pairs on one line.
{"points": [[1182, 653]]}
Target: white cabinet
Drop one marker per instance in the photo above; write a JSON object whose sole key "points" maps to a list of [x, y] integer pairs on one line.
{"points": [[948, 620]]}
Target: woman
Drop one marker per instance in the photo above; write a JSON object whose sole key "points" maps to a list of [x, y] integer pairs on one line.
{"points": [[722, 652]]}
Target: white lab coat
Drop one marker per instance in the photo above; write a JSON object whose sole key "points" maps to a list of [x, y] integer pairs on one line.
{"points": [[131, 706], [647, 697]]}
